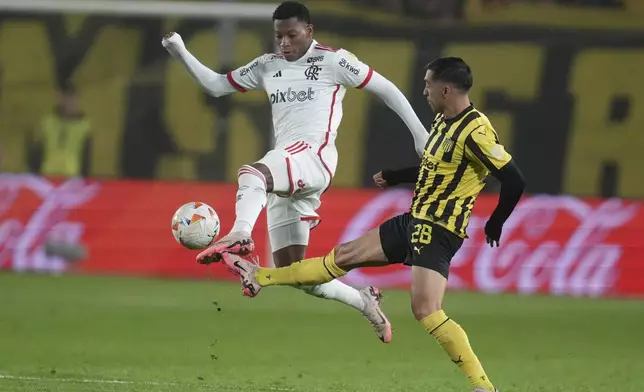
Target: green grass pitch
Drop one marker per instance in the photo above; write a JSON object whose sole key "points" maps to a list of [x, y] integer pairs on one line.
{"points": [[78, 333]]}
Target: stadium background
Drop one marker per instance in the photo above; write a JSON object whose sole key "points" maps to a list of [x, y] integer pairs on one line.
{"points": [[560, 80]]}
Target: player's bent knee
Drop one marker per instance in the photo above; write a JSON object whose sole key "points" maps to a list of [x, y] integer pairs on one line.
{"points": [[250, 171], [423, 307], [347, 255], [289, 243], [362, 251], [262, 168], [257, 170], [288, 255]]}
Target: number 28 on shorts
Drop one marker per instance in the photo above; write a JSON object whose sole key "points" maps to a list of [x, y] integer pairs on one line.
{"points": [[422, 234]]}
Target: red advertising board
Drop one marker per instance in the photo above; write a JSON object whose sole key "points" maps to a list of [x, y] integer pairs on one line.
{"points": [[557, 245]]}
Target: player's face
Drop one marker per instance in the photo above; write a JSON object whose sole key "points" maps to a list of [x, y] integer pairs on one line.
{"points": [[436, 93], [293, 37]]}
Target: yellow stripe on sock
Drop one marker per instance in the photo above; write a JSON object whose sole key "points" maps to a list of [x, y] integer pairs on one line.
{"points": [[312, 271], [434, 320], [331, 266]]}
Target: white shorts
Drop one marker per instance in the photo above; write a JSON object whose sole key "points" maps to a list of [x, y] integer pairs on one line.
{"points": [[301, 173]]}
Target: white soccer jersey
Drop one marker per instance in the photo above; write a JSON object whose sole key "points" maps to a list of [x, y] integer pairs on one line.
{"points": [[305, 95]]}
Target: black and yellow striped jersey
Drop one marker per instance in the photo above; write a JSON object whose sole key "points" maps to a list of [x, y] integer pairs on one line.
{"points": [[460, 153]]}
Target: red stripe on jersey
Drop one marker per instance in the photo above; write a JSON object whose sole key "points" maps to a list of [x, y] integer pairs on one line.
{"points": [[328, 134], [290, 177], [232, 82], [297, 147], [367, 79], [300, 149], [293, 147], [326, 48]]}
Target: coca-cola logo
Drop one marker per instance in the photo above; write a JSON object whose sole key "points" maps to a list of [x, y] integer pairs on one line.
{"points": [[557, 245], [550, 244], [33, 210]]}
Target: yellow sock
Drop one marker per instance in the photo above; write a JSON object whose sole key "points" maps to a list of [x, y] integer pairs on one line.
{"points": [[454, 341], [306, 272]]}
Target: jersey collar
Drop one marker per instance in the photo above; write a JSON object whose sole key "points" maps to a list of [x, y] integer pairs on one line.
{"points": [[458, 116]]}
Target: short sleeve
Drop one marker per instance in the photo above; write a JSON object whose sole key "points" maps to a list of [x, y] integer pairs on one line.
{"points": [[482, 145], [247, 77], [349, 71]]}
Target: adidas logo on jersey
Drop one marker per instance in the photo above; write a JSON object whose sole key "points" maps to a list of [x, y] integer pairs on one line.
{"points": [[278, 74]]}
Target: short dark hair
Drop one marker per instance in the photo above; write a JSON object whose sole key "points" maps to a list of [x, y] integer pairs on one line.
{"points": [[292, 9], [452, 70]]}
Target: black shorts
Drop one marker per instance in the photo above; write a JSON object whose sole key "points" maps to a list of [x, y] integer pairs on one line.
{"points": [[412, 241]]}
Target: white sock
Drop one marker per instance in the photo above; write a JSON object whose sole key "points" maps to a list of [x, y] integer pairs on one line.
{"points": [[338, 291], [251, 198]]}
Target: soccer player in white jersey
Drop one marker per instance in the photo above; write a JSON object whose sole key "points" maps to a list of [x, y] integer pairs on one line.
{"points": [[305, 84]]}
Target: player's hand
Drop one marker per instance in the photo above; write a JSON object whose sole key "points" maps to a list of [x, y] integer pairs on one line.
{"points": [[493, 232], [380, 182], [173, 43]]}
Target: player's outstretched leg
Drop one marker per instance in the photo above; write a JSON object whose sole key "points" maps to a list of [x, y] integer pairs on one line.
{"points": [[289, 243], [365, 251], [251, 199], [428, 287], [367, 300]]}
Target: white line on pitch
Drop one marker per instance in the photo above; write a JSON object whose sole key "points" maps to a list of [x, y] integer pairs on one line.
{"points": [[125, 382]]}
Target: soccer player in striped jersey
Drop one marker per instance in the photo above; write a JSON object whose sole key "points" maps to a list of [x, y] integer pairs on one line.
{"points": [[305, 85], [462, 150]]}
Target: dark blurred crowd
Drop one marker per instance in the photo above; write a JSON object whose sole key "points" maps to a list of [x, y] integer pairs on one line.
{"points": [[454, 9], [582, 3], [435, 9]]}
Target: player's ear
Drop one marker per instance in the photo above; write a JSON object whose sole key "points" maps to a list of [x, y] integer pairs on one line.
{"points": [[309, 30]]}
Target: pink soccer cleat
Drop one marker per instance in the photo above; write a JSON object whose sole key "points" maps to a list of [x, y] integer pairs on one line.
{"points": [[237, 242], [246, 270], [371, 296]]}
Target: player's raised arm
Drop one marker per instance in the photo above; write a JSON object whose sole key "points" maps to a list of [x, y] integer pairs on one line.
{"points": [[216, 84], [351, 72], [483, 146]]}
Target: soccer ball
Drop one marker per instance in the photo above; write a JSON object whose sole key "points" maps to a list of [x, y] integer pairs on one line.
{"points": [[195, 225]]}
